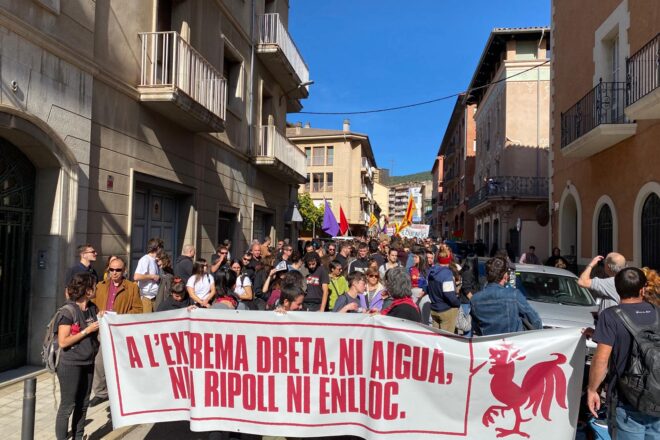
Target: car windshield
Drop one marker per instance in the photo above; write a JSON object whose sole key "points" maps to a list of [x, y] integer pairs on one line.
{"points": [[552, 288]]}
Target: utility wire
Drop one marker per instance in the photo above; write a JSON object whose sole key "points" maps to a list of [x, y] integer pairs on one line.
{"points": [[431, 101]]}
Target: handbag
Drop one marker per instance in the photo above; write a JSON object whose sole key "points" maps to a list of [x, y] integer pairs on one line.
{"points": [[464, 320]]}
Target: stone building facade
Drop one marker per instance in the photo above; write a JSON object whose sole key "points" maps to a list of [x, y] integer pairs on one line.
{"points": [[121, 121]]}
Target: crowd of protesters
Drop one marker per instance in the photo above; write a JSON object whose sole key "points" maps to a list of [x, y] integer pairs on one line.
{"points": [[420, 280]]}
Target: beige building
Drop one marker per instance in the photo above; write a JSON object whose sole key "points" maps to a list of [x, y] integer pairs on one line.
{"points": [[511, 89], [381, 199], [340, 169], [458, 150], [122, 121], [605, 192]]}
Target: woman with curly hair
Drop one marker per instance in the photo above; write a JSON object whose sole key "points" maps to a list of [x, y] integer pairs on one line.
{"points": [[77, 326], [652, 290]]}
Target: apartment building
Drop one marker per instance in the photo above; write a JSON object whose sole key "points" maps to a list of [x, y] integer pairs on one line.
{"points": [[605, 191], [458, 150], [122, 121], [511, 90], [340, 168], [419, 186], [437, 198]]}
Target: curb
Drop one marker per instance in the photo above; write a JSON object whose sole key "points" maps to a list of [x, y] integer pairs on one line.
{"points": [[16, 380]]}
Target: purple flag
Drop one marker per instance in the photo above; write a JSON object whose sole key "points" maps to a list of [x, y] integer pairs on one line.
{"points": [[330, 225]]}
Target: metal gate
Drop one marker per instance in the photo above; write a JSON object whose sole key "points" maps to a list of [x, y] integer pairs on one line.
{"points": [[17, 177]]}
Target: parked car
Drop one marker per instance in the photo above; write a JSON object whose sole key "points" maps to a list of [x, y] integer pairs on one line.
{"points": [[555, 295]]}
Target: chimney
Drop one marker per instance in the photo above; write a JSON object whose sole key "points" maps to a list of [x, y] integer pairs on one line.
{"points": [[308, 124], [347, 125], [298, 127]]}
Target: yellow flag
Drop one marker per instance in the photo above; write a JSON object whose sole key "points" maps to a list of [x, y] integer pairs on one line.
{"points": [[372, 220], [408, 218]]}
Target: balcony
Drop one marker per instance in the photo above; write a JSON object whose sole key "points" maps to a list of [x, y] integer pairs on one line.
{"points": [[366, 168], [596, 122], [282, 58], [177, 82], [279, 157], [366, 192], [509, 188], [643, 72]]}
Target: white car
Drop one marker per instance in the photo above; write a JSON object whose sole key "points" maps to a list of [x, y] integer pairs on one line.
{"points": [[555, 295]]}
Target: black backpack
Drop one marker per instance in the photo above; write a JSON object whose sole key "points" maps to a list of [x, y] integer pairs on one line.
{"points": [[639, 383]]}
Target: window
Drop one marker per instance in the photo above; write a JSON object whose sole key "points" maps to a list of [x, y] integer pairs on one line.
{"points": [[232, 71], [307, 183], [318, 156], [328, 182], [317, 182], [605, 231], [330, 156], [308, 157], [651, 232]]}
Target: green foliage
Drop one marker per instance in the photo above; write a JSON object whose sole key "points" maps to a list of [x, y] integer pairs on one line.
{"points": [[311, 214]]}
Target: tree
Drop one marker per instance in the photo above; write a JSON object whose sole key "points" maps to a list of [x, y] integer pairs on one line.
{"points": [[311, 214]]}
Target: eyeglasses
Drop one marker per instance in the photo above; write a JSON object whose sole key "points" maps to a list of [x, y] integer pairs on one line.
{"points": [[110, 269], [373, 276], [90, 252]]}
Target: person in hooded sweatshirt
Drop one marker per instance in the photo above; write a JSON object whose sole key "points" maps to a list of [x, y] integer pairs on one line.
{"points": [[183, 266]]}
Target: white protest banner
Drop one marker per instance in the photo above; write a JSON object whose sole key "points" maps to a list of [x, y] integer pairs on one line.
{"points": [[320, 374], [415, 231]]}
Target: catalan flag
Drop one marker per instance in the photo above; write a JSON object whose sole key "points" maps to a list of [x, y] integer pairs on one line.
{"points": [[408, 217], [373, 220]]}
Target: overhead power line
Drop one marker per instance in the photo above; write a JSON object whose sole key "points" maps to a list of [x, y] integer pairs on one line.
{"points": [[430, 101]]}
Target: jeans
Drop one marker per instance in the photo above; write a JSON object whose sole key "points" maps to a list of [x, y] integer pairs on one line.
{"points": [[633, 425], [75, 388]]}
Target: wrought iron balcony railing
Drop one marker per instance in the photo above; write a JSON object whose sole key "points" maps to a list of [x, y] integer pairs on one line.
{"points": [[169, 61], [510, 187], [604, 104], [643, 71]]}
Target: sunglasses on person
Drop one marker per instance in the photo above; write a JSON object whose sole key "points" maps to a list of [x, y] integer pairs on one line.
{"points": [[223, 252], [115, 270], [373, 276]]}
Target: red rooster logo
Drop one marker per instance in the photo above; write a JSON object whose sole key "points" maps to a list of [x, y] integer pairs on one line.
{"points": [[542, 383]]}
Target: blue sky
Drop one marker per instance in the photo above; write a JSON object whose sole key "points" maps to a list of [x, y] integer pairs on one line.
{"points": [[370, 54]]}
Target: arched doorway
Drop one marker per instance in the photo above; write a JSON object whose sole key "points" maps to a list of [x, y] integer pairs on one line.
{"points": [[569, 226], [40, 186], [17, 183], [651, 232], [604, 231]]}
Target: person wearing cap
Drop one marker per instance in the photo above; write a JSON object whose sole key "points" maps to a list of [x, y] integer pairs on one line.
{"points": [[442, 293]]}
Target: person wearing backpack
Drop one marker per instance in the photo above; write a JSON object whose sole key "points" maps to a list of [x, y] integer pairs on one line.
{"points": [[628, 338], [76, 331]]}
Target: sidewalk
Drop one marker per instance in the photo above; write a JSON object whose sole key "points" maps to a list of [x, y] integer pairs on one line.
{"points": [[98, 424]]}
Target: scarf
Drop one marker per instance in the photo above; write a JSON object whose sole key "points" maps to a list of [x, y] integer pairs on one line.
{"points": [[399, 301]]}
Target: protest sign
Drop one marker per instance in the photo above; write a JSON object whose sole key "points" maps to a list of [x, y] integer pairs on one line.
{"points": [[415, 231], [320, 374]]}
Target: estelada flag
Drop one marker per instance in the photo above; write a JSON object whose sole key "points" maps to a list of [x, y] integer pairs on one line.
{"points": [[372, 220], [408, 218], [343, 223]]}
